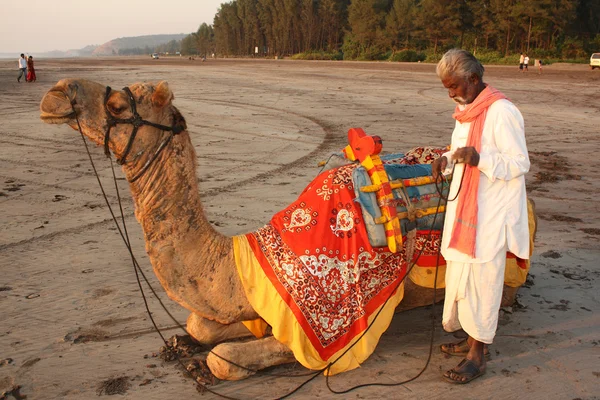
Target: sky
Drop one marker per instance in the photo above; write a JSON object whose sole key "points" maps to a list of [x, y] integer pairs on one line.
{"points": [[43, 25]]}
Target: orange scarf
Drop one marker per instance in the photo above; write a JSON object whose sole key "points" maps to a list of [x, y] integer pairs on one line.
{"points": [[464, 231]]}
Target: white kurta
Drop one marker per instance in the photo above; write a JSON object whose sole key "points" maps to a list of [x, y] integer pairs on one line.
{"points": [[475, 284]]}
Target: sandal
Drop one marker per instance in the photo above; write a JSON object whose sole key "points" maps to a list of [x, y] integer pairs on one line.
{"points": [[464, 372], [460, 349]]}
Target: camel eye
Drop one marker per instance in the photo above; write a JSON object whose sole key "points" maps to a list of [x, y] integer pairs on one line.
{"points": [[116, 108]]}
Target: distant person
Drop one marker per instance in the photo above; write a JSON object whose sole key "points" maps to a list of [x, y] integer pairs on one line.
{"points": [[540, 67], [30, 70], [22, 68], [526, 62], [521, 62]]}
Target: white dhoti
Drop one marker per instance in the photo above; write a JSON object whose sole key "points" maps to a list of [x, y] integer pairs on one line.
{"points": [[473, 296]]}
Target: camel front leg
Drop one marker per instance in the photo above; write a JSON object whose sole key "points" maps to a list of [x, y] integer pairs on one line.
{"points": [[206, 331], [418, 296], [255, 355]]}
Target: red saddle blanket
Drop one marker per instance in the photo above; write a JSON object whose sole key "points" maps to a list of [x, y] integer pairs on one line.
{"points": [[316, 253]]}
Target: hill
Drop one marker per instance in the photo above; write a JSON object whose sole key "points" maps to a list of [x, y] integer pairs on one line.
{"points": [[113, 47], [107, 49]]}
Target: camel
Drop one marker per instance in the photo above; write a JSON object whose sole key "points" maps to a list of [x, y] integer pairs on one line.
{"points": [[195, 264]]}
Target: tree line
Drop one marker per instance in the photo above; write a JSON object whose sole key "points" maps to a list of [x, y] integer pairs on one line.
{"points": [[386, 29], [170, 47]]}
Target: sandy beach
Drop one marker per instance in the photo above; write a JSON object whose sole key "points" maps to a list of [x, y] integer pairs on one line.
{"points": [[73, 323]]}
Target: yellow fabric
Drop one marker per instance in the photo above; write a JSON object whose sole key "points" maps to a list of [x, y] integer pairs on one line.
{"points": [[267, 302], [424, 276], [515, 276], [258, 327]]}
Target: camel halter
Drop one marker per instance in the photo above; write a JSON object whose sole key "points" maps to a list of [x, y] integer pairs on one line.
{"points": [[137, 121]]}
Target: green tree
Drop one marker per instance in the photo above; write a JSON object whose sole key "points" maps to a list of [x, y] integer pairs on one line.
{"points": [[441, 21], [366, 20], [309, 21], [228, 30], [484, 24], [561, 13], [188, 45], [505, 24], [205, 39], [266, 10], [400, 23], [334, 19]]}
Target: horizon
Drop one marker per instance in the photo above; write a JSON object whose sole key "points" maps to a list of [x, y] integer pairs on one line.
{"points": [[109, 22]]}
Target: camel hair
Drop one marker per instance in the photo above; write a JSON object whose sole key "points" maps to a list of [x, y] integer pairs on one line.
{"points": [[193, 262]]}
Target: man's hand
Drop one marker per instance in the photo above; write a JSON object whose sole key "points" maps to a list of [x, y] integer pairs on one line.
{"points": [[438, 165], [467, 155]]}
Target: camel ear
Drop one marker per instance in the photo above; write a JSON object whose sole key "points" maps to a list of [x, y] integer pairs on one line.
{"points": [[162, 95]]}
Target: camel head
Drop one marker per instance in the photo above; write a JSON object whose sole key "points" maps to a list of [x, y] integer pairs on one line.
{"points": [[98, 108]]}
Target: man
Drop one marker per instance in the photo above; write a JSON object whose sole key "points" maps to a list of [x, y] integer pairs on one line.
{"points": [[521, 62], [526, 62], [489, 216], [22, 68]]}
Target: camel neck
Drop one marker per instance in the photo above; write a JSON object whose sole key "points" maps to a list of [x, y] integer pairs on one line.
{"points": [[193, 262], [167, 198]]}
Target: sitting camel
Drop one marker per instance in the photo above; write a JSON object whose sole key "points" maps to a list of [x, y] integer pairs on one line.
{"points": [[236, 287]]}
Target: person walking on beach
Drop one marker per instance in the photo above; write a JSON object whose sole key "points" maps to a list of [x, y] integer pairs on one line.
{"points": [[540, 67], [526, 62], [22, 68], [30, 70], [521, 61], [489, 159]]}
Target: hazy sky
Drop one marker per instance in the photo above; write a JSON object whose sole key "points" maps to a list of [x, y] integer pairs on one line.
{"points": [[42, 25]]}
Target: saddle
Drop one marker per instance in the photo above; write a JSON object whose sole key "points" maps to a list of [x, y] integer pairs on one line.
{"points": [[396, 192]]}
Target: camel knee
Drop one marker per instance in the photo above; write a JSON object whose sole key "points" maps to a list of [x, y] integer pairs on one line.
{"points": [[208, 332]]}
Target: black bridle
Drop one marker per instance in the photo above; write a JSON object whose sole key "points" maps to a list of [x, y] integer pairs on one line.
{"points": [[137, 121]]}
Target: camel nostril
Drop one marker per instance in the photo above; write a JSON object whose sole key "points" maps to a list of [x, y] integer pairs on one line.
{"points": [[56, 104]]}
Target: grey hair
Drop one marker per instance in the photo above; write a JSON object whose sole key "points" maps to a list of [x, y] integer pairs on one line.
{"points": [[459, 63]]}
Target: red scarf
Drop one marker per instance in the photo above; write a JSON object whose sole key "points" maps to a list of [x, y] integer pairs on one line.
{"points": [[464, 231]]}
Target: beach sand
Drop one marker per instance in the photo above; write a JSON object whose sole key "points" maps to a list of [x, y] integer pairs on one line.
{"points": [[72, 320]]}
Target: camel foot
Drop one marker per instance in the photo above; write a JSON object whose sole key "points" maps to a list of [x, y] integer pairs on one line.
{"points": [[254, 355], [206, 331]]}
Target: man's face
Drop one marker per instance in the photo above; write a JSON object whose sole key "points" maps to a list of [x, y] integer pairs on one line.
{"points": [[462, 91]]}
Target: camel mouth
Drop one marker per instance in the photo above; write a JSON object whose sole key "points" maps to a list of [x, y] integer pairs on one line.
{"points": [[56, 108], [57, 119]]}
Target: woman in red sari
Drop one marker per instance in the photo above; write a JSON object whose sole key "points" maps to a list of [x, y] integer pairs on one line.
{"points": [[30, 70]]}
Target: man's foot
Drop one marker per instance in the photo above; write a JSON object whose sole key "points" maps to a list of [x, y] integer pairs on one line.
{"points": [[460, 349], [464, 372]]}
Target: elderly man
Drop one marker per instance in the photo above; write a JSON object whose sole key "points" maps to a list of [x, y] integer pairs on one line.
{"points": [[488, 155]]}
